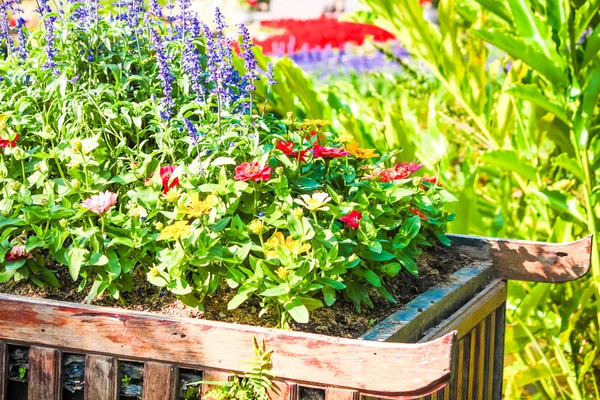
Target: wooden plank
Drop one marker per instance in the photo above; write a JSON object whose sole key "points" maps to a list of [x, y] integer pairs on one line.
{"points": [[473, 355], [480, 359], [3, 369], [212, 376], [472, 313], [101, 381], [456, 384], [341, 394], [489, 355], [430, 308], [498, 360], [368, 366], [160, 381], [283, 391], [43, 374], [529, 261]]}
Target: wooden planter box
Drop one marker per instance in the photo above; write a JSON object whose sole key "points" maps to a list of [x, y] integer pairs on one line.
{"points": [[446, 344]]}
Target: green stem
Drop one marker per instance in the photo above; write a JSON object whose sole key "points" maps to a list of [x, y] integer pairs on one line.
{"points": [[23, 172]]}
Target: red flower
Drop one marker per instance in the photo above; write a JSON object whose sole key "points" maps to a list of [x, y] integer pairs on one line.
{"points": [[17, 253], [9, 143], [253, 170], [430, 179], [252, 3], [287, 148], [329, 152], [165, 175], [352, 219], [399, 171], [417, 212]]}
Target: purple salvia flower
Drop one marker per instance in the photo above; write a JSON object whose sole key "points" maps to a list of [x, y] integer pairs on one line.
{"points": [[220, 23], [155, 9], [191, 65], [192, 131], [271, 74], [21, 47], [164, 74], [248, 57]]}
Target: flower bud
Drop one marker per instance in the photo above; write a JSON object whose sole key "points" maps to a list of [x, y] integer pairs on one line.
{"points": [[290, 115], [19, 154], [154, 272], [282, 272], [75, 184], [257, 226], [76, 145], [159, 226], [63, 222], [381, 127], [279, 170], [37, 167], [298, 212], [15, 185], [172, 196], [352, 257], [44, 202]]}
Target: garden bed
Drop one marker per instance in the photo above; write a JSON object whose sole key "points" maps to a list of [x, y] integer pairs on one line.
{"points": [[468, 308], [435, 267]]}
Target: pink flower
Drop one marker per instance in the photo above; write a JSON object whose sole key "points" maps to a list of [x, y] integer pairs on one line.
{"points": [[165, 176], [399, 171], [246, 171], [352, 219], [101, 202], [9, 143], [17, 253], [288, 149], [329, 152]]}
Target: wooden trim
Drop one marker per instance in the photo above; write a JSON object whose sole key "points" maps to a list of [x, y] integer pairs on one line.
{"points": [[212, 376], [160, 381], [341, 394], [44, 374], [3, 369], [408, 324], [529, 261], [101, 374], [498, 361], [472, 313], [367, 366], [283, 391]]}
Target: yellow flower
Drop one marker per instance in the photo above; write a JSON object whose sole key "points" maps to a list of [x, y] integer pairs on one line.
{"points": [[279, 240], [315, 202], [282, 272], [176, 230], [345, 137], [197, 207], [257, 226], [315, 122], [172, 195], [353, 149]]}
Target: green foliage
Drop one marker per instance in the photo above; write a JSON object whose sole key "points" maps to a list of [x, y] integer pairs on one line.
{"points": [[254, 385], [521, 146], [100, 180]]}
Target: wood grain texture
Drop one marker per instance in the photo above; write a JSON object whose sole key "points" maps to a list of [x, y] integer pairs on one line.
{"points": [[101, 381], [43, 374], [283, 391], [3, 369], [430, 308], [498, 360], [529, 261], [472, 313], [368, 366], [341, 394], [160, 381]]}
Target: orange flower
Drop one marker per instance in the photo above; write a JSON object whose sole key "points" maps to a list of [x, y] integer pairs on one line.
{"points": [[357, 152], [278, 239]]}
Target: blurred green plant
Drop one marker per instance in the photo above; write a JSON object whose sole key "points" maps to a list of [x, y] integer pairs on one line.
{"points": [[520, 136]]}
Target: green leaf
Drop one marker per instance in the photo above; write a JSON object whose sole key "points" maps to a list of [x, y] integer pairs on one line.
{"points": [[77, 258], [408, 263], [509, 160], [278, 290], [372, 256], [369, 275], [33, 242], [534, 94], [297, 310], [332, 283]]}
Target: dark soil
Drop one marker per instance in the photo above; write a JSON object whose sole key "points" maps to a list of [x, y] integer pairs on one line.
{"points": [[342, 319]]}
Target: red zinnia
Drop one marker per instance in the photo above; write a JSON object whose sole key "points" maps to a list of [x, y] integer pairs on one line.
{"points": [[253, 170], [329, 152], [287, 148], [417, 212], [399, 171], [352, 219], [9, 143], [165, 175]]}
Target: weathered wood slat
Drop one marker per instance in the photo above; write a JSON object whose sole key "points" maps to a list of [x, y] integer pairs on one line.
{"points": [[283, 391], [3, 369], [489, 354], [101, 375], [341, 394], [408, 324], [479, 372], [43, 374], [498, 361], [368, 366], [529, 261], [472, 313], [160, 381]]}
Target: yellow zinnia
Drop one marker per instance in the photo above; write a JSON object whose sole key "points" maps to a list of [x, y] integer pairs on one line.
{"points": [[344, 137], [315, 122], [278, 239], [353, 149], [176, 230], [197, 207]]}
